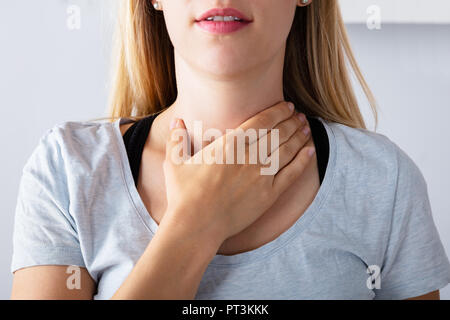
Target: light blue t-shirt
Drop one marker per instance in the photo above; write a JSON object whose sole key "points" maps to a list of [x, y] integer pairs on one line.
{"points": [[368, 234]]}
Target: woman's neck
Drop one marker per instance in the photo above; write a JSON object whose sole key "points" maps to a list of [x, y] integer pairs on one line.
{"points": [[217, 101]]}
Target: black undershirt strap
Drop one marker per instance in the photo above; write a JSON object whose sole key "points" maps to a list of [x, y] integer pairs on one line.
{"points": [[136, 136], [134, 139], [320, 138]]}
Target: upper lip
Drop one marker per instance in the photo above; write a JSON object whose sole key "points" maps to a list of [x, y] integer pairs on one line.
{"points": [[223, 12]]}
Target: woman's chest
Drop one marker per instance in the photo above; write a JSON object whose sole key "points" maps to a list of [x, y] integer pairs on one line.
{"points": [[288, 208], [296, 271], [318, 273]]}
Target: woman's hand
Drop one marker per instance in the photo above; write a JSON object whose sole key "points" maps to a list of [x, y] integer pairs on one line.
{"points": [[224, 199]]}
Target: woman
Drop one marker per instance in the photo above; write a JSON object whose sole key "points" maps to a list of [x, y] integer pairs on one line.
{"points": [[139, 226]]}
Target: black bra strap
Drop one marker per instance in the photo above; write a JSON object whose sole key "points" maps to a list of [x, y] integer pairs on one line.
{"points": [[320, 137], [134, 139]]}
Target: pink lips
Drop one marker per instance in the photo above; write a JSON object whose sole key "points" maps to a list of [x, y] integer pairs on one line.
{"points": [[220, 27]]}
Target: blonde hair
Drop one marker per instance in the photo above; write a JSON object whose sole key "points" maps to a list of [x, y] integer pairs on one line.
{"points": [[316, 75]]}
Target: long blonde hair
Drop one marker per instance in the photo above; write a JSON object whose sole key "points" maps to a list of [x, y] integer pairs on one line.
{"points": [[316, 71]]}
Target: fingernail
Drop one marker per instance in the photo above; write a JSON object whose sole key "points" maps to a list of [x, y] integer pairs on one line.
{"points": [[302, 118], [173, 123], [291, 106], [311, 151], [306, 131]]}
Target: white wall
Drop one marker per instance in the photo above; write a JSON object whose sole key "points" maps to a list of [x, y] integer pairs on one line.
{"points": [[397, 11], [50, 74]]}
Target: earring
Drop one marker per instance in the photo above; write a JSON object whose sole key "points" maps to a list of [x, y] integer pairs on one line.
{"points": [[156, 5], [305, 1]]}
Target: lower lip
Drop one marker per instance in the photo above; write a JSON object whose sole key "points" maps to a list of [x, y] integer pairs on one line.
{"points": [[221, 27]]}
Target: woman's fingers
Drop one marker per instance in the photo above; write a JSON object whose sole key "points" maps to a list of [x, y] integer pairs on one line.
{"points": [[269, 118], [289, 149], [288, 124], [237, 141], [291, 172], [285, 130], [177, 144]]}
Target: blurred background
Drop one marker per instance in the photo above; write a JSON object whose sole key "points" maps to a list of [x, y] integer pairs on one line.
{"points": [[54, 67]]}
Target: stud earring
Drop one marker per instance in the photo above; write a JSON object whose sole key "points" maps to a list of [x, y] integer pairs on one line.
{"points": [[157, 6], [305, 1]]}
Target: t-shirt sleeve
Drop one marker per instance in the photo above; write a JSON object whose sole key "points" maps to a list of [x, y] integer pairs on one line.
{"points": [[415, 261], [44, 231]]}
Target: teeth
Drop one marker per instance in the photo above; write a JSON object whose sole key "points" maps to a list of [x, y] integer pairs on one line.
{"points": [[222, 18]]}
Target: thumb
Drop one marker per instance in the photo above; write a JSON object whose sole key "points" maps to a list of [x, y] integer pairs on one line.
{"points": [[178, 142]]}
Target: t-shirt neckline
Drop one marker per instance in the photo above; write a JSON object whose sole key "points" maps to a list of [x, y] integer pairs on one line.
{"points": [[258, 254]]}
